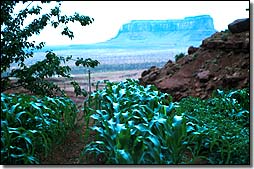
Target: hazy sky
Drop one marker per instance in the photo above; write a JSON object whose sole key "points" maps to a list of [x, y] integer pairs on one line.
{"points": [[110, 15]]}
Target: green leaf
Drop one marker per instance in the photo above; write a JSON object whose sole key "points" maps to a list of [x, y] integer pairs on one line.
{"points": [[98, 129], [17, 155], [32, 160], [122, 92], [190, 129], [14, 107], [120, 127], [143, 128], [17, 117], [170, 107], [125, 157], [154, 140], [33, 104], [177, 121], [241, 113], [116, 107]]}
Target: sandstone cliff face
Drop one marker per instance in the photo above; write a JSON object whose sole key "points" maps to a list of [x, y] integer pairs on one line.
{"points": [[184, 32], [221, 62]]}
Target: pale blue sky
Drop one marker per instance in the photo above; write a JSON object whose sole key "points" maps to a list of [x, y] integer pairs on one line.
{"points": [[110, 15]]}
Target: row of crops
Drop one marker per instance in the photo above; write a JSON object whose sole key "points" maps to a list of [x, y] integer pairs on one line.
{"points": [[30, 126], [133, 125]]}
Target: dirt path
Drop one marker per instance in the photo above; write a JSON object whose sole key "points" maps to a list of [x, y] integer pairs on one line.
{"points": [[69, 151]]}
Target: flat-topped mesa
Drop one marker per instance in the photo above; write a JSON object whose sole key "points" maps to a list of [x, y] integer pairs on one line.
{"points": [[203, 22], [171, 33]]}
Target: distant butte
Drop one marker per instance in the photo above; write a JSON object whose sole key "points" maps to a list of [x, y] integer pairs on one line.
{"points": [[173, 33]]}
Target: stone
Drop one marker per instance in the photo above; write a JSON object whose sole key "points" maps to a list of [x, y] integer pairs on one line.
{"points": [[232, 80], [246, 45], [169, 62], [239, 25], [203, 96], [213, 44], [198, 90], [150, 72], [196, 84], [214, 67], [192, 50], [153, 76], [144, 73], [244, 65], [152, 67], [245, 82], [204, 76], [197, 94], [215, 78], [203, 85], [174, 84], [210, 86], [236, 74]]}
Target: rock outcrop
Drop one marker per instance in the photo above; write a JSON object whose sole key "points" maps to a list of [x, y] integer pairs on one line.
{"points": [[171, 33], [221, 61], [239, 25]]}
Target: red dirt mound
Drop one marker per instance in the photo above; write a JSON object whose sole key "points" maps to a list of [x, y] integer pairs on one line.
{"points": [[222, 61]]}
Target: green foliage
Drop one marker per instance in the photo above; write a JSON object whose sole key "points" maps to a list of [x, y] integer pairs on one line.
{"points": [[135, 125], [221, 124], [78, 90], [87, 62], [179, 56], [140, 125], [225, 34], [15, 47], [31, 125]]}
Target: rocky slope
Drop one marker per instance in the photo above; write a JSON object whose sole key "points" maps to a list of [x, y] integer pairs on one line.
{"points": [[170, 33], [222, 61]]}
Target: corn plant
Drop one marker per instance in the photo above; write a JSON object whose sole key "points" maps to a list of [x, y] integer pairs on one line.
{"points": [[140, 125], [222, 124], [135, 125], [30, 125]]}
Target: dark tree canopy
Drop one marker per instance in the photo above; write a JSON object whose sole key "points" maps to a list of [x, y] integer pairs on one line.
{"points": [[15, 47]]}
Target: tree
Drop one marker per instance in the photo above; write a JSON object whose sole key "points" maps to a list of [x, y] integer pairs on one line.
{"points": [[15, 47]]}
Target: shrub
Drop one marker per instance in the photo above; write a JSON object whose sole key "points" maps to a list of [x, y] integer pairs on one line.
{"points": [[179, 56]]}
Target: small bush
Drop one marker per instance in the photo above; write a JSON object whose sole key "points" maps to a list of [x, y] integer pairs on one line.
{"points": [[179, 56]]}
